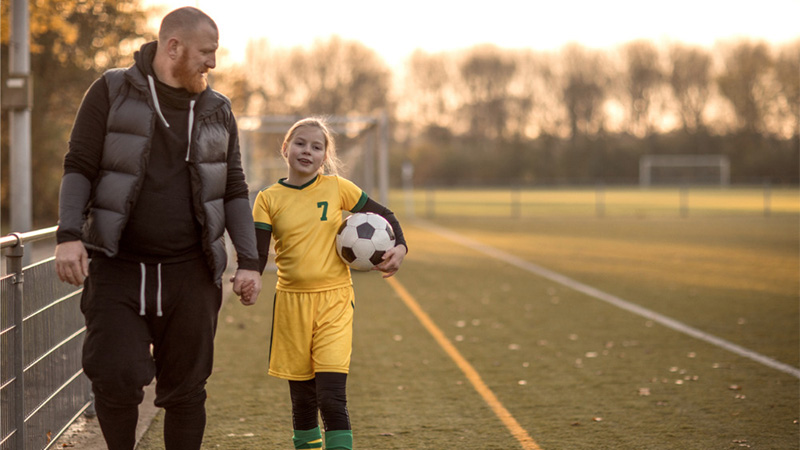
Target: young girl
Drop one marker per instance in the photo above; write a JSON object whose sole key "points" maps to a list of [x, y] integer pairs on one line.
{"points": [[314, 301]]}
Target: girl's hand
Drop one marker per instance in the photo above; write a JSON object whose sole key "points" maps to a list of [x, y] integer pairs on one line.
{"points": [[392, 260]]}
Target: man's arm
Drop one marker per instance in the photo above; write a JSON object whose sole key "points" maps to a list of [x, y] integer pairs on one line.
{"points": [[239, 223], [80, 167]]}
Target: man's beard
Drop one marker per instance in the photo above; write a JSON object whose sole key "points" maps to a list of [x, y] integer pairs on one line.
{"points": [[189, 79]]}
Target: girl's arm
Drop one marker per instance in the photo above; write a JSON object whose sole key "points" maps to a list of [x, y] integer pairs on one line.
{"points": [[375, 207], [394, 257], [262, 244]]}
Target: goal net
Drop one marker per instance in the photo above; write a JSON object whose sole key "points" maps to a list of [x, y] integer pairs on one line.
{"points": [[361, 145], [684, 169]]}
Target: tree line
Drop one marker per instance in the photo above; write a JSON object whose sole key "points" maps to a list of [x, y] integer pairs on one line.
{"points": [[482, 115]]}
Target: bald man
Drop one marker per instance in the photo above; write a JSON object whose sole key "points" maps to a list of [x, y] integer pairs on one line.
{"points": [[152, 179]]}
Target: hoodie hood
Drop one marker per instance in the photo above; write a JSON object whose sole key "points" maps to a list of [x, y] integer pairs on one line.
{"points": [[143, 58]]}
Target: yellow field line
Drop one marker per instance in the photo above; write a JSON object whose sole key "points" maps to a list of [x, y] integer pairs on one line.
{"points": [[472, 375]]}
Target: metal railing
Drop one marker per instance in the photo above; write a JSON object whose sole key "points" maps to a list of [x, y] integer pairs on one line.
{"points": [[42, 385]]}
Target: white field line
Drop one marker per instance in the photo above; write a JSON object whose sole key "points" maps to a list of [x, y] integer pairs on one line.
{"points": [[608, 298]]}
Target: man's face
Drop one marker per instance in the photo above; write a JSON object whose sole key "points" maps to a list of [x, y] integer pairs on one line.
{"points": [[196, 56]]}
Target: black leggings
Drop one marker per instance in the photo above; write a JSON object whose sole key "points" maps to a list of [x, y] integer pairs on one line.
{"points": [[326, 393]]}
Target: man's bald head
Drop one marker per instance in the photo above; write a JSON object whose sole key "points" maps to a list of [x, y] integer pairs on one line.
{"points": [[182, 20]]}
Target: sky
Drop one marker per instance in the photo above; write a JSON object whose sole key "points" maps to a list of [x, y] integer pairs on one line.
{"points": [[395, 29]]}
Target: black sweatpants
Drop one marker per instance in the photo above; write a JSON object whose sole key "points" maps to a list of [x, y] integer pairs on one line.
{"points": [[130, 306]]}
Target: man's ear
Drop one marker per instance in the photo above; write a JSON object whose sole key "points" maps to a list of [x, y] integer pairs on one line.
{"points": [[172, 47]]}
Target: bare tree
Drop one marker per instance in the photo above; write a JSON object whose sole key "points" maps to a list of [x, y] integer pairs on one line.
{"points": [[690, 80], [584, 89], [787, 76], [429, 89], [486, 72], [742, 82], [332, 77], [643, 78]]}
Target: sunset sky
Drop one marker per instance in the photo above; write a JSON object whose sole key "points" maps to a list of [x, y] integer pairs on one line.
{"points": [[435, 25]]}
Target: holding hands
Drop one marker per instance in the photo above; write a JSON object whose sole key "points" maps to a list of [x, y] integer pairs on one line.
{"points": [[247, 285]]}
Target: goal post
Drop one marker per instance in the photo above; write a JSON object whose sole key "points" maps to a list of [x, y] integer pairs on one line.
{"points": [[361, 144], [682, 169]]}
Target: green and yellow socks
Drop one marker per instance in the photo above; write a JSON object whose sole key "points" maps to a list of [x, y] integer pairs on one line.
{"points": [[307, 439], [312, 439]]}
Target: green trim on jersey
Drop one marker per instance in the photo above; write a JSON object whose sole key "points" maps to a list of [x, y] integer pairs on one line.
{"points": [[361, 202], [263, 226], [283, 182]]}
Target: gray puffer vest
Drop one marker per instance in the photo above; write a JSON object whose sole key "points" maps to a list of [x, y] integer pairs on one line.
{"points": [[130, 127]]}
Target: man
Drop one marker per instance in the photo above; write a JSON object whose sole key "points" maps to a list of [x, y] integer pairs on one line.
{"points": [[152, 179]]}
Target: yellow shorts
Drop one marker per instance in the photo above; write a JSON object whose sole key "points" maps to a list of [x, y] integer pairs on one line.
{"points": [[311, 332]]}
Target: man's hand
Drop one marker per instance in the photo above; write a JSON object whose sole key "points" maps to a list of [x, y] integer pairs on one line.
{"points": [[72, 262], [247, 285], [392, 260]]}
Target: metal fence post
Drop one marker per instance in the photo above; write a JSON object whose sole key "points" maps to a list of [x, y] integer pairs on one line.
{"points": [[14, 264]]}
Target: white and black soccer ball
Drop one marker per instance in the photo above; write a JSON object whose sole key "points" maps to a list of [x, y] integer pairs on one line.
{"points": [[362, 240]]}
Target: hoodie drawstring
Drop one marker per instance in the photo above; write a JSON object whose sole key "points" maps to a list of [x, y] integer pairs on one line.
{"points": [[155, 99], [159, 313], [141, 290], [142, 286], [191, 123]]}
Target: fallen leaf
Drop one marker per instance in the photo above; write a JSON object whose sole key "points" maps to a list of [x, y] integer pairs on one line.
{"points": [[597, 419], [735, 387], [644, 391]]}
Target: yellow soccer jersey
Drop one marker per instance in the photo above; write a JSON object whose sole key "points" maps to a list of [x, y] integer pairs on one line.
{"points": [[304, 221]]}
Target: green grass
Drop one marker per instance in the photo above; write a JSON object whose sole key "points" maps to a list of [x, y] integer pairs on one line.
{"points": [[599, 201], [575, 372]]}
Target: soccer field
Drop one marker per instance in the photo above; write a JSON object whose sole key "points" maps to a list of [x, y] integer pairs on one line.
{"points": [[499, 333]]}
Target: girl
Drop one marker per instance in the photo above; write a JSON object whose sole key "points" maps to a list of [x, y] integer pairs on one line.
{"points": [[314, 301]]}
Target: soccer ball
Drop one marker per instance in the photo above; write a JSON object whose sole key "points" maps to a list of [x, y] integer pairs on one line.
{"points": [[362, 240]]}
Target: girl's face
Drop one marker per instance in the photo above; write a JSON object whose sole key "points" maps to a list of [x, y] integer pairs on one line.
{"points": [[305, 154]]}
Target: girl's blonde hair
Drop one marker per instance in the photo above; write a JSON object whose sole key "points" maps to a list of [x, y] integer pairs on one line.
{"points": [[332, 163]]}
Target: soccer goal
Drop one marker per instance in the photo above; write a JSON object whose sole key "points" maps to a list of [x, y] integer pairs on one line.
{"points": [[361, 144], [684, 169]]}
